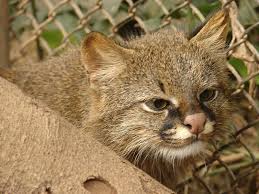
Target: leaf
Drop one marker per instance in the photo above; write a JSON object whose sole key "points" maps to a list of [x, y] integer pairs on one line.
{"points": [[191, 20], [247, 13], [205, 7], [102, 26], [86, 4], [241, 68], [12, 2], [68, 20], [239, 65], [53, 37], [20, 23], [112, 6], [41, 11], [152, 24], [152, 10]]}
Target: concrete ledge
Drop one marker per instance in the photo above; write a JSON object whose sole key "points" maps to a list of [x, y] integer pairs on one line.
{"points": [[42, 153]]}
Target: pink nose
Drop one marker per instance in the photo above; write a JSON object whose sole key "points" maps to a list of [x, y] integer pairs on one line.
{"points": [[196, 122]]}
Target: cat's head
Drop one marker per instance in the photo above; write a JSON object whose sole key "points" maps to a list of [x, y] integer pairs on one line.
{"points": [[160, 93]]}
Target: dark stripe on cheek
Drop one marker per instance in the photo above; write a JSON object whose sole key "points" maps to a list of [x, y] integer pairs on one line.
{"points": [[172, 113], [168, 123], [208, 112]]}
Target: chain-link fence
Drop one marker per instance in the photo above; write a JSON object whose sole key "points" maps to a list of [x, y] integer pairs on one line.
{"points": [[42, 28]]}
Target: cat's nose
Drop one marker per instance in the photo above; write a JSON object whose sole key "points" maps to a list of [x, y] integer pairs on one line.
{"points": [[195, 122]]}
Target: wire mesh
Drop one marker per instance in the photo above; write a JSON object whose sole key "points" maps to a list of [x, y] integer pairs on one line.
{"points": [[233, 166]]}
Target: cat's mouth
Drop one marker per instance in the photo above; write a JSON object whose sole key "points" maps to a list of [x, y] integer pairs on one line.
{"points": [[181, 137], [178, 143], [182, 150]]}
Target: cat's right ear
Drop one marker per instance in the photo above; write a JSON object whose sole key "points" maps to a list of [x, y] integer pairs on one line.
{"points": [[214, 33], [102, 57]]}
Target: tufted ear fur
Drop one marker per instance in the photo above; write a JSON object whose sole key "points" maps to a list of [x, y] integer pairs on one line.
{"points": [[102, 57], [214, 33]]}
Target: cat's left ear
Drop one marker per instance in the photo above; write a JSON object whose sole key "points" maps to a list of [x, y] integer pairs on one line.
{"points": [[102, 57], [214, 33]]}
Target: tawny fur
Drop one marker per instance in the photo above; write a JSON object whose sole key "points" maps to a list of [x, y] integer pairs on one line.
{"points": [[101, 86]]}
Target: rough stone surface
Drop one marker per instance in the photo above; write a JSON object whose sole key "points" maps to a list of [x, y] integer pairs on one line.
{"points": [[42, 153]]}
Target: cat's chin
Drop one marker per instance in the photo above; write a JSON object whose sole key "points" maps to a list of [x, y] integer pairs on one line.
{"points": [[191, 150]]}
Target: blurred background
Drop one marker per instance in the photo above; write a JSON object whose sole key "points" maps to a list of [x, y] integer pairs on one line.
{"points": [[33, 30]]}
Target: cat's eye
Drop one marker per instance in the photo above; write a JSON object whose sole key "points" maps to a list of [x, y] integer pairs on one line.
{"points": [[208, 95], [157, 104]]}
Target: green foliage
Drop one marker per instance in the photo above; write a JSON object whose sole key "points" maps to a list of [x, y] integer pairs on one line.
{"points": [[148, 11], [112, 6], [205, 7], [239, 65], [247, 12], [53, 37], [241, 68]]}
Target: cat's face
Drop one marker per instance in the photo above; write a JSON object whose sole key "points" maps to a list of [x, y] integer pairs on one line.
{"points": [[164, 95]]}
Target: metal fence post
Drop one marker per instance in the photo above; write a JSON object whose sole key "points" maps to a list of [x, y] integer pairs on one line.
{"points": [[4, 34]]}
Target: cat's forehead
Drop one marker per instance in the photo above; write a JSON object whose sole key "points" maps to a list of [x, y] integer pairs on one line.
{"points": [[167, 48], [160, 39], [176, 62], [171, 55]]}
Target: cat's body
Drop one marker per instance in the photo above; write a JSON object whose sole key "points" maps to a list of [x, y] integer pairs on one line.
{"points": [[156, 100], [62, 84]]}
